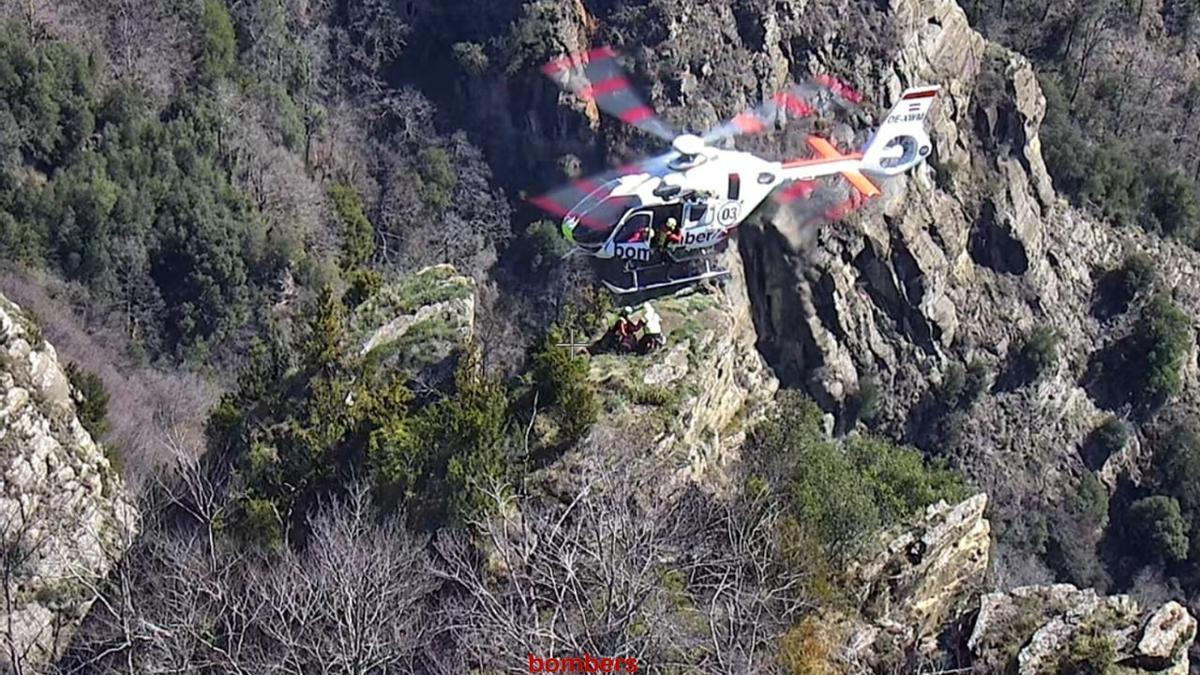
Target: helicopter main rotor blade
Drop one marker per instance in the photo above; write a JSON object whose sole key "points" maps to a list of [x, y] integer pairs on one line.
{"points": [[598, 213], [807, 205], [598, 76], [591, 199], [820, 96]]}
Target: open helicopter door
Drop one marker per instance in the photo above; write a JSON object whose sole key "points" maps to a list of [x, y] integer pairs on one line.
{"points": [[696, 214]]}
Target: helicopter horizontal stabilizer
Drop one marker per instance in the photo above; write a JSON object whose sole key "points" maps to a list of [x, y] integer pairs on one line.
{"points": [[860, 182]]}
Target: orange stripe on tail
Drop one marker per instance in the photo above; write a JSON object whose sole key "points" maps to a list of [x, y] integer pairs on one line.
{"points": [[860, 182]]}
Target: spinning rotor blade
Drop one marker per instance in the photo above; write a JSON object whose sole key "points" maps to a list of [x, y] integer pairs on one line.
{"points": [[600, 214], [597, 76], [823, 95], [600, 211], [805, 206]]}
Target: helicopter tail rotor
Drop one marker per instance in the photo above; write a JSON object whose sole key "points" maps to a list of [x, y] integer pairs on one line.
{"points": [[901, 141]]}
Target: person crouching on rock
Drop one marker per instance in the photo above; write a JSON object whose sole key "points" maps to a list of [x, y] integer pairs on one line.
{"points": [[626, 330], [653, 338]]}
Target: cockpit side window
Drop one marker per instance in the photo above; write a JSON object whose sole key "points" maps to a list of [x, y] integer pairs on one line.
{"points": [[636, 223]]}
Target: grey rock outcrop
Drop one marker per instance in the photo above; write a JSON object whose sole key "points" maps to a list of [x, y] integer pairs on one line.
{"points": [[1038, 627], [64, 517], [918, 582], [417, 324]]}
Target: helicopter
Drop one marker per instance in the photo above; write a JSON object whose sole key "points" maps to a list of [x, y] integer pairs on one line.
{"points": [[705, 191]]}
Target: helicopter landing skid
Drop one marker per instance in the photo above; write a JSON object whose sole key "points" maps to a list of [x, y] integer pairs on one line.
{"points": [[711, 271]]}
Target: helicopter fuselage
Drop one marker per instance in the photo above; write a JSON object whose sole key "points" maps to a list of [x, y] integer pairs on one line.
{"points": [[708, 194]]}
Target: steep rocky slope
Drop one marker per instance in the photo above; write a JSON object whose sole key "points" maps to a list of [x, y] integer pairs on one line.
{"points": [[691, 402], [949, 272], [64, 516], [952, 269]]}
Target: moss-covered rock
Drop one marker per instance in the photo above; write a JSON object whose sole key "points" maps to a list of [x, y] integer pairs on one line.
{"points": [[416, 324]]}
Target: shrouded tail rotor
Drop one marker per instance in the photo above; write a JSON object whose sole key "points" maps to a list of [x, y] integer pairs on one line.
{"points": [[901, 141]]}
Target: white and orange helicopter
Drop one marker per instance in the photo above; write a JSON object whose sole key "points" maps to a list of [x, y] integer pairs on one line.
{"points": [[706, 190]]}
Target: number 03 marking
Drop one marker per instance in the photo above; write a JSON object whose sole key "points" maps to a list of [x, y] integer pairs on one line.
{"points": [[728, 214]]}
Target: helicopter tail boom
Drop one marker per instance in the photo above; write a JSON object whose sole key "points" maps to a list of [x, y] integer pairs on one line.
{"points": [[860, 182], [830, 161]]}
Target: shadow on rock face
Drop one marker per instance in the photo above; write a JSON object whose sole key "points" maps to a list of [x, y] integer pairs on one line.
{"points": [[995, 248], [1109, 373]]}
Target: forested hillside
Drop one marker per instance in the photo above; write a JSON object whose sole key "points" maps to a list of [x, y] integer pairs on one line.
{"points": [[199, 170], [1121, 84]]}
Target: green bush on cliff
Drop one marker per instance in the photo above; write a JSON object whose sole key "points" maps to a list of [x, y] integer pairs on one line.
{"points": [[838, 493], [1039, 351], [358, 237], [1158, 527], [560, 379], [91, 399], [1161, 343], [1110, 436], [465, 440]]}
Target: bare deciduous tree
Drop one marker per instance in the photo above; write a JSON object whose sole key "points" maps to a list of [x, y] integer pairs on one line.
{"points": [[356, 600], [693, 583]]}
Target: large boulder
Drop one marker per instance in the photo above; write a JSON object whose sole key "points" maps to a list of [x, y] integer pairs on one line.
{"points": [[1041, 629], [65, 518]]}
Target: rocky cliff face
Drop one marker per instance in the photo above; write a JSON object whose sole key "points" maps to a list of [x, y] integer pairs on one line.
{"points": [[948, 272], [691, 403], [64, 517], [957, 263]]}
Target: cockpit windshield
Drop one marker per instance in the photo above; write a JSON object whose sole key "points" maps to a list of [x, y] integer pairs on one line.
{"points": [[598, 212], [594, 199]]}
